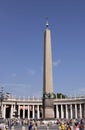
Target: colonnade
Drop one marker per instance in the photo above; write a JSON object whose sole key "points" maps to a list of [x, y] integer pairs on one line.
{"points": [[23, 111], [32, 109], [70, 111]]}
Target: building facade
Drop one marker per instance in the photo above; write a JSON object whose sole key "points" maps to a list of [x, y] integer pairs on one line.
{"points": [[68, 108]]}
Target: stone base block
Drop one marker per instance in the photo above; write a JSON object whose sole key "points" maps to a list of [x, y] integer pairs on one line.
{"points": [[49, 114]]}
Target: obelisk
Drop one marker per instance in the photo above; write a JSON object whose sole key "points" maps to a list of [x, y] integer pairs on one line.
{"points": [[48, 109]]}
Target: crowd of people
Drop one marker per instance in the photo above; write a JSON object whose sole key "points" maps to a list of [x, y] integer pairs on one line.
{"points": [[71, 124], [57, 124]]}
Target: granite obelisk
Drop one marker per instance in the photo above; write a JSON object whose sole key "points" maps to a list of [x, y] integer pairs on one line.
{"points": [[48, 109]]}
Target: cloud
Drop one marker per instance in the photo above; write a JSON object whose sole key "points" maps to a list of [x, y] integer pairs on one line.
{"points": [[30, 71], [56, 63]]}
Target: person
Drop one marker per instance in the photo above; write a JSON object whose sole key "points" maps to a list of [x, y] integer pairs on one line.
{"points": [[34, 127], [81, 126], [62, 126], [77, 126], [30, 126], [68, 128]]}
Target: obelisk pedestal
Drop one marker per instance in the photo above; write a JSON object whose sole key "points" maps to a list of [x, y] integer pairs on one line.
{"points": [[48, 113]]}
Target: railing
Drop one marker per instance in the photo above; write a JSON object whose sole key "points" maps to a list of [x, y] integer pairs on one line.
{"points": [[11, 98]]}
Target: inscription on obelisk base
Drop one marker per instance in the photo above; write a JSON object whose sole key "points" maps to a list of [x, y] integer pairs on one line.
{"points": [[48, 109]]}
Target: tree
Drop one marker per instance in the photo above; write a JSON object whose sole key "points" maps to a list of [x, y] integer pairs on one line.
{"points": [[60, 95]]}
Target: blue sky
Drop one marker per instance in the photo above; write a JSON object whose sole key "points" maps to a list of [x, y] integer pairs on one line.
{"points": [[22, 26]]}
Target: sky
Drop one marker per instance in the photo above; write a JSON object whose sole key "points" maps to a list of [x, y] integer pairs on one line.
{"points": [[22, 27]]}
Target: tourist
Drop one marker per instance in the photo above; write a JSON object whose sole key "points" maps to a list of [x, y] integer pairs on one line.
{"points": [[68, 128], [34, 127], [77, 126], [81, 126], [30, 126], [62, 126]]}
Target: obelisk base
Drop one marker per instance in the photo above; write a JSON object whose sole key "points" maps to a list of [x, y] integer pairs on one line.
{"points": [[48, 109], [49, 114]]}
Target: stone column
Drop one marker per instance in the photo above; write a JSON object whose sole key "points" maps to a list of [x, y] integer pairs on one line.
{"points": [[4, 111], [80, 111], [38, 113], [2, 107], [19, 111], [23, 111], [66, 111], [76, 111], [61, 111], [14, 108], [33, 112], [71, 111], [57, 112], [28, 112], [12, 111]]}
